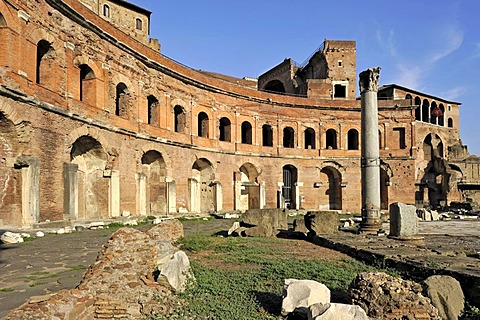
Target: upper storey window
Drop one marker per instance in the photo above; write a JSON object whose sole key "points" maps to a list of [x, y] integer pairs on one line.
{"points": [[106, 10], [45, 60], [138, 24]]}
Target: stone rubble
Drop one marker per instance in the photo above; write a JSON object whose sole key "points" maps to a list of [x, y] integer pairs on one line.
{"points": [[121, 284], [385, 297]]}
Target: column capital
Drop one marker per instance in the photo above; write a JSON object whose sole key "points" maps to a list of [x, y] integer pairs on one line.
{"points": [[369, 79]]}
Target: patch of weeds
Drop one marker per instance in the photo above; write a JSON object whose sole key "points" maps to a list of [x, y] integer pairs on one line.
{"points": [[115, 225], [6, 290], [195, 243], [77, 267], [432, 264], [39, 275], [29, 239], [470, 312], [40, 283], [228, 293]]}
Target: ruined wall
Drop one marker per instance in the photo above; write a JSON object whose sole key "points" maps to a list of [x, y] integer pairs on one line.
{"points": [[104, 117], [124, 16]]}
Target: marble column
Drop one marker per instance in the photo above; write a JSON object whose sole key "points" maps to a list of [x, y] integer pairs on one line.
{"points": [[370, 152]]}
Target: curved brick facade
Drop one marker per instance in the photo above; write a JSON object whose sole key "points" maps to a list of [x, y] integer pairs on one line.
{"points": [[94, 122]]}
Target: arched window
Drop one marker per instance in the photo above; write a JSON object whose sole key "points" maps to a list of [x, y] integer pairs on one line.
{"points": [[88, 88], [408, 97], [152, 110], [418, 109], [202, 125], [267, 135], [331, 139], [138, 24], [45, 59], [441, 117], [225, 129], [246, 132], [426, 111], [288, 137], [433, 117], [121, 100], [275, 86], [106, 11], [309, 136], [450, 122], [179, 119], [352, 139]]}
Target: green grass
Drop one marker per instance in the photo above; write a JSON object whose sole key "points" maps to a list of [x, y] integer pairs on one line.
{"points": [[242, 278], [35, 284], [6, 290], [77, 267]]}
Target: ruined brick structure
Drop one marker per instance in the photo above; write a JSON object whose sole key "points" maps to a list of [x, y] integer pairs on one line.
{"points": [[95, 122]]}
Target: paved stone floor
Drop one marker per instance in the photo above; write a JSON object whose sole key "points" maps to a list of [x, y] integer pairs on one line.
{"points": [[58, 262]]}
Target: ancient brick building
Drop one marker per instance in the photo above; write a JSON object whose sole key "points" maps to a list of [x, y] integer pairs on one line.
{"points": [[96, 122]]}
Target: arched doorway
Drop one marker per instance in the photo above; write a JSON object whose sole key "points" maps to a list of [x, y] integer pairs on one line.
{"points": [[435, 177], [248, 189], [332, 181], [290, 176], [93, 187], [155, 195], [201, 187]]}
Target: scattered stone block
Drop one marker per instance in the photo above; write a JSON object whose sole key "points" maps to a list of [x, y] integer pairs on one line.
{"points": [[299, 226], [403, 221], [240, 232], [261, 231], [277, 218], [11, 237], [131, 222], [168, 230], [446, 295], [335, 311], [301, 294], [435, 215], [321, 222], [39, 234], [234, 227], [177, 271]]}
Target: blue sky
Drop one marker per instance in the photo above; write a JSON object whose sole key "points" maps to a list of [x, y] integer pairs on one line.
{"points": [[431, 46]]}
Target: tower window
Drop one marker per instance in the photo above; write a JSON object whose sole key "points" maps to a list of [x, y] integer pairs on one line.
{"points": [[139, 24], [340, 91], [106, 11]]}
